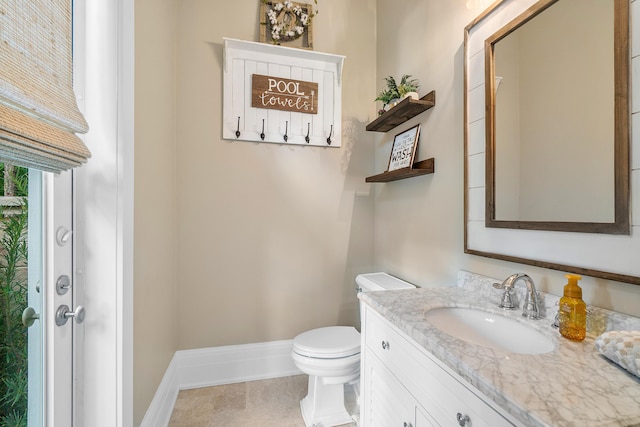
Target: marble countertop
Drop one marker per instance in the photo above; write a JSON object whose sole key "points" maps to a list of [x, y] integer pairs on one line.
{"points": [[573, 385]]}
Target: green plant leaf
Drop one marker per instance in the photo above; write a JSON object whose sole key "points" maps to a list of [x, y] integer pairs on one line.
{"points": [[395, 90], [13, 299]]}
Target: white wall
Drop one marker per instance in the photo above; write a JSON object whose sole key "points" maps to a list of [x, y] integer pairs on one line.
{"points": [[104, 214]]}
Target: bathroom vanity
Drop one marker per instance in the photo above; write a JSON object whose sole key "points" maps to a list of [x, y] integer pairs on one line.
{"points": [[398, 384], [413, 374]]}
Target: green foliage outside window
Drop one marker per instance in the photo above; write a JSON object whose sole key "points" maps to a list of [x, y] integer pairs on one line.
{"points": [[13, 300]]}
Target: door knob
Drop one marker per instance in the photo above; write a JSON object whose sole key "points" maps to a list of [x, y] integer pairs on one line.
{"points": [[29, 316], [64, 313]]}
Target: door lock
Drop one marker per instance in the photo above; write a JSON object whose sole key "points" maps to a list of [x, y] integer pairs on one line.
{"points": [[63, 234], [63, 284], [64, 313]]}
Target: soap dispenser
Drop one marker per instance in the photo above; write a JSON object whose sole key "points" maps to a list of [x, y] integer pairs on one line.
{"points": [[572, 313]]}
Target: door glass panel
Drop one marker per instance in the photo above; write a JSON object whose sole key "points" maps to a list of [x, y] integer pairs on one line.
{"points": [[20, 347]]}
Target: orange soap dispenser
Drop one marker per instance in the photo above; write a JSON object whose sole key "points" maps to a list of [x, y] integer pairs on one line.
{"points": [[572, 313]]}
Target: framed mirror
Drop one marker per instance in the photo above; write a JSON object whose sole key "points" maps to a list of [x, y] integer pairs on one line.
{"points": [[571, 233], [557, 128]]}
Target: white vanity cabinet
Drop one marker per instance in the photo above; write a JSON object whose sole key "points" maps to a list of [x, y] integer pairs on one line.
{"points": [[404, 386], [389, 403]]}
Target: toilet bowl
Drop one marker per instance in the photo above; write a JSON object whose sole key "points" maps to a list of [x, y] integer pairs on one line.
{"points": [[331, 358]]}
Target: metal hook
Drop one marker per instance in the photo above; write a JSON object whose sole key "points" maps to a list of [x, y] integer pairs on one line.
{"points": [[306, 138], [238, 130], [286, 131], [330, 133], [262, 134]]}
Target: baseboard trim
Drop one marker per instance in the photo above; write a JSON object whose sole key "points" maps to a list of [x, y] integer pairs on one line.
{"points": [[206, 367], [159, 411]]}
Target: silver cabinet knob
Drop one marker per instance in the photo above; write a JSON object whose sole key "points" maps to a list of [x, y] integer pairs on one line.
{"points": [[463, 419], [385, 345], [29, 316], [64, 313]]}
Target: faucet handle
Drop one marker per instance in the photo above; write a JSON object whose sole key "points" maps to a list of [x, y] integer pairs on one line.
{"points": [[507, 301], [531, 306]]}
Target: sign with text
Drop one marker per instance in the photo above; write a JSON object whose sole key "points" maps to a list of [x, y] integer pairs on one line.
{"points": [[277, 93], [403, 150]]}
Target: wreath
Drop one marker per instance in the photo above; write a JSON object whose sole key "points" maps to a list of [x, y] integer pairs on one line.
{"points": [[288, 20]]}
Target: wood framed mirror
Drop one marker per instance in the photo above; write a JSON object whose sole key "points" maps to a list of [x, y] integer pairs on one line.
{"points": [[599, 246]]}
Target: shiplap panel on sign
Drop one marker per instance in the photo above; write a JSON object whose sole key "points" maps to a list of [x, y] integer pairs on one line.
{"points": [[243, 122]]}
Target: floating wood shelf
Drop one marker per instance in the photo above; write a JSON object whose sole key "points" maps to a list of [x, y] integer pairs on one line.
{"points": [[405, 110], [423, 167]]}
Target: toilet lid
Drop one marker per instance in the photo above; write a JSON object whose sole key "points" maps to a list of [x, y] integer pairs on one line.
{"points": [[328, 343]]}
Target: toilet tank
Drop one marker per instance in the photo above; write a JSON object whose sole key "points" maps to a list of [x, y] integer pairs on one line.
{"points": [[370, 282]]}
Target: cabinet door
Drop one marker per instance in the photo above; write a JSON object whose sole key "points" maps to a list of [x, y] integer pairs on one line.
{"points": [[423, 420], [387, 403]]}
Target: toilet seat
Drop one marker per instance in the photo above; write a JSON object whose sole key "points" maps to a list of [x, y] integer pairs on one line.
{"points": [[331, 342]]}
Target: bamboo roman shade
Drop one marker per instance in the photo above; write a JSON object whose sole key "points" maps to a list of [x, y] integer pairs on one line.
{"points": [[39, 116]]}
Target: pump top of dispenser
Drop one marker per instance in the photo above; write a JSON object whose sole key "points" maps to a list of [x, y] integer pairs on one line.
{"points": [[571, 289]]}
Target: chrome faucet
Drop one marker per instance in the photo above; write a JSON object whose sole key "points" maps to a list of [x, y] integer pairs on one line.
{"points": [[531, 305]]}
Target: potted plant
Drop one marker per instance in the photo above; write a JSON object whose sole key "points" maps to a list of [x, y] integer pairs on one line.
{"points": [[394, 91]]}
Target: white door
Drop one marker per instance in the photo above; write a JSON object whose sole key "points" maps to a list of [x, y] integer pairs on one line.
{"points": [[63, 314], [49, 315]]}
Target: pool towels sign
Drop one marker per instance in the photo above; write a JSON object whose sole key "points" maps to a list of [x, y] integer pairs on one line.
{"points": [[277, 93]]}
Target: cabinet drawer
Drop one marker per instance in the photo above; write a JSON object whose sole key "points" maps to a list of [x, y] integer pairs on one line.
{"points": [[385, 341], [439, 392]]}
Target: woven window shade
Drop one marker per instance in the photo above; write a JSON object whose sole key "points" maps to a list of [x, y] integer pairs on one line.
{"points": [[39, 116]]}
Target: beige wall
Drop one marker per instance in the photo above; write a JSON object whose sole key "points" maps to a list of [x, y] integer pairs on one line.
{"points": [[155, 325], [419, 221], [270, 237], [258, 242]]}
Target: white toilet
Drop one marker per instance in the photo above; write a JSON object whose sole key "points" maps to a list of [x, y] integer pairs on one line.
{"points": [[331, 358]]}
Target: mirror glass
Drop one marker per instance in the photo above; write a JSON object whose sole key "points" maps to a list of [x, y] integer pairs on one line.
{"points": [[556, 131]]}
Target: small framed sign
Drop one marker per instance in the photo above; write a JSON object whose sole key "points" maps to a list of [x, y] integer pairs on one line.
{"points": [[277, 93], [404, 147]]}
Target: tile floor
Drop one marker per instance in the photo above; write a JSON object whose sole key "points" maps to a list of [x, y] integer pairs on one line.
{"points": [[266, 403]]}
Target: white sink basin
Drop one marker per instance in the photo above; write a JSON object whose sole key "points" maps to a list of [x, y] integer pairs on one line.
{"points": [[489, 330]]}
